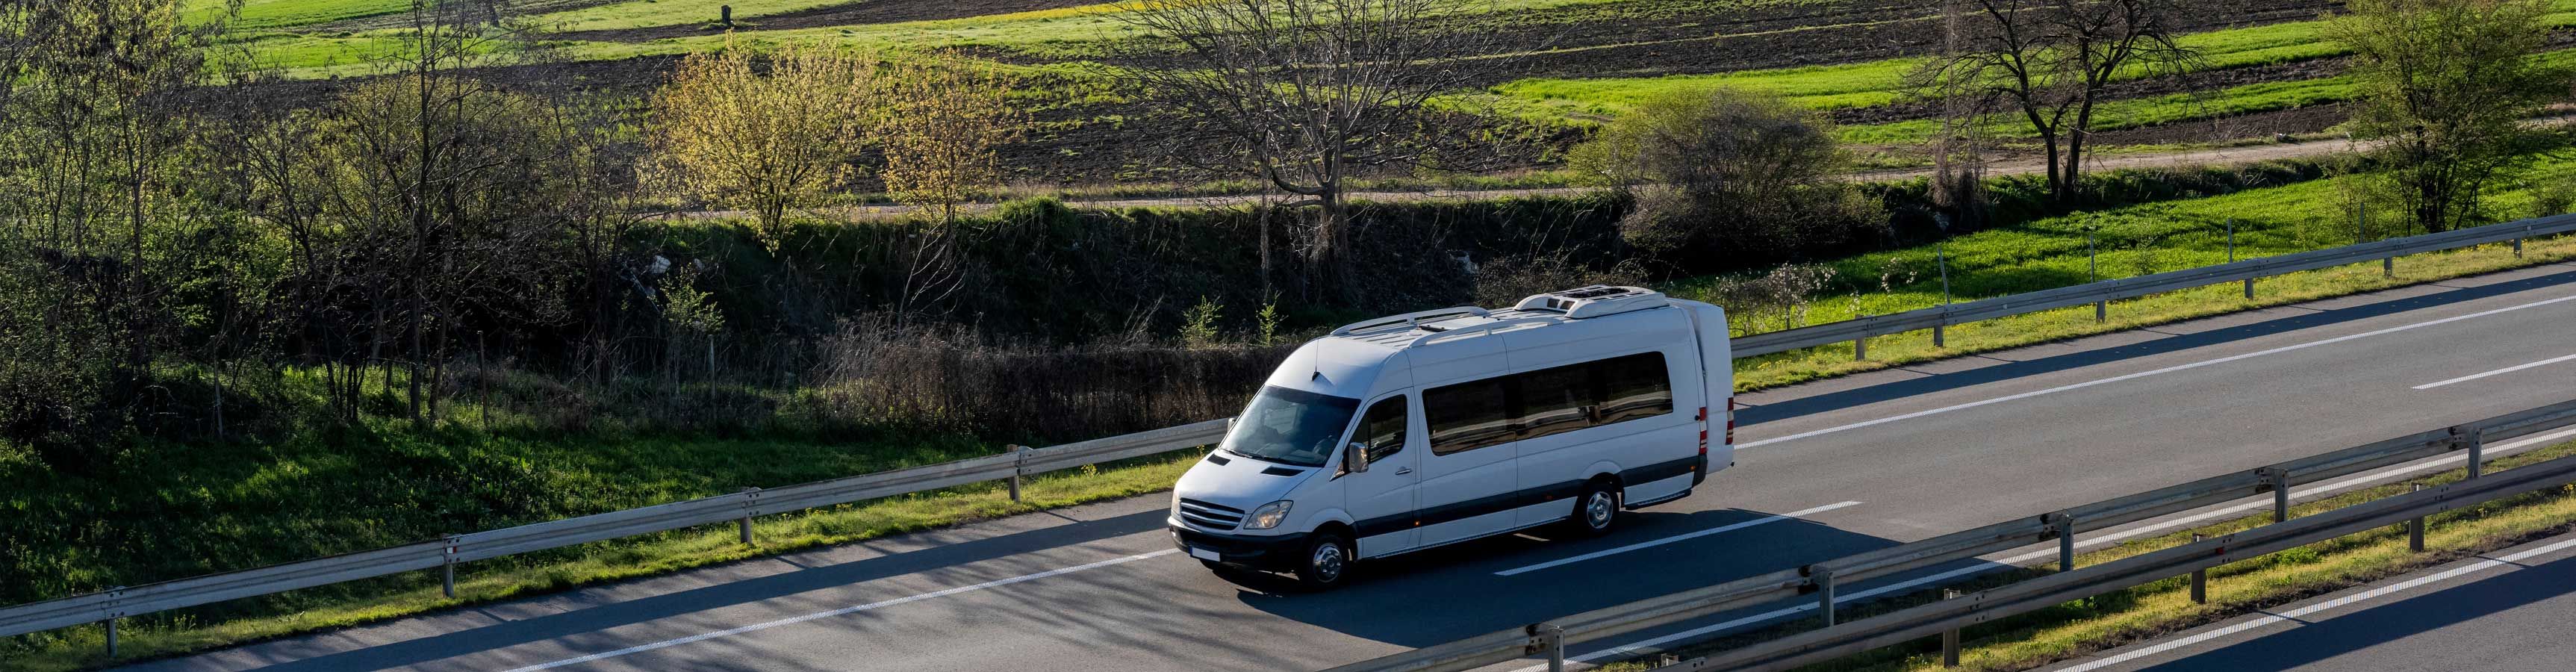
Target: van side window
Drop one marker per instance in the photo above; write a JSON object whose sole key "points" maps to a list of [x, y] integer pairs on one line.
{"points": [[1382, 429], [1556, 400], [1467, 416], [1636, 386]]}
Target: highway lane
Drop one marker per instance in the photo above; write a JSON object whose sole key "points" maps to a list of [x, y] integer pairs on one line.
{"points": [[2505, 611], [1980, 439]]}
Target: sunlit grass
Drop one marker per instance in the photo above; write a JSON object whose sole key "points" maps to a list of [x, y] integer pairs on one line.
{"points": [[2157, 609], [2132, 241]]}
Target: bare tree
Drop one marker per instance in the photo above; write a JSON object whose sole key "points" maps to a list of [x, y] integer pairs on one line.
{"points": [[2050, 61], [948, 115], [1305, 95]]}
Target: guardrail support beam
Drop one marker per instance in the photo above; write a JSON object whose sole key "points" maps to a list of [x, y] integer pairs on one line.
{"points": [[2199, 577], [1022, 466], [1937, 340], [2415, 527], [746, 515], [1950, 637], [1824, 578], [447, 569], [2280, 482], [111, 639], [2477, 454], [2065, 541], [1554, 637]]}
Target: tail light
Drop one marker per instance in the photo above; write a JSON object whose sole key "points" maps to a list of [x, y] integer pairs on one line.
{"points": [[1730, 422], [1703, 431]]}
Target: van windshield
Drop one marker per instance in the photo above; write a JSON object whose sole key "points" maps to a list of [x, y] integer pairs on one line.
{"points": [[1290, 426]]}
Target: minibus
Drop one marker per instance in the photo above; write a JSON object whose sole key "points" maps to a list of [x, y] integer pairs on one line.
{"points": [[1414, 431]]}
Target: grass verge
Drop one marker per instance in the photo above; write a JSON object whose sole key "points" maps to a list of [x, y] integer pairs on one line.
{"points": [[2131, 241], [2146, 612], [520, 576]]}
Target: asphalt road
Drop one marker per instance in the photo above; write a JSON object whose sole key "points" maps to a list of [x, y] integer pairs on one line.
{"points": [[2503, 611], [1863, 461]]}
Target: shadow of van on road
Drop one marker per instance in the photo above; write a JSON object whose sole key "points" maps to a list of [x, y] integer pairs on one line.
{"points": [[1447, 593], [1893, 390]]}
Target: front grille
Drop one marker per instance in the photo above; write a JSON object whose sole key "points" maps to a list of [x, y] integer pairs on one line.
{"points": [[1211, 515]]}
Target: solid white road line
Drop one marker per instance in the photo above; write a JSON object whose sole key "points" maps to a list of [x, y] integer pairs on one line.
{"points": [[640, 648], [2505, 370], [1631, 648], [1674, 538], [2143, 374], [2295, 614]]}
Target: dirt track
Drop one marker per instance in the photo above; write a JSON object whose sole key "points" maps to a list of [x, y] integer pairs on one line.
{"points": [[2208, 157]]}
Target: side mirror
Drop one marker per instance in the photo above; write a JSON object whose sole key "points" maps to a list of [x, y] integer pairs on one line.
{"points": [[1355, 458]]}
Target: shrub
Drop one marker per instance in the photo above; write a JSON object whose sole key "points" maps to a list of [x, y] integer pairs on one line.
{"points": [[1729, 178]]}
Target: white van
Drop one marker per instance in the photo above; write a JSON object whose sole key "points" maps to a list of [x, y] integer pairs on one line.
{"points": [[1408, 432]]}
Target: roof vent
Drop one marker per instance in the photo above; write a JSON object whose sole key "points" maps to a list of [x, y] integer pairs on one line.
{"points": [[1595, 301]]}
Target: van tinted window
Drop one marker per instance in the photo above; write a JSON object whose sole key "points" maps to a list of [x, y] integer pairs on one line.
{"points": [[1467, 416], [1382, 429], [1554, 400], [1636, 386]]}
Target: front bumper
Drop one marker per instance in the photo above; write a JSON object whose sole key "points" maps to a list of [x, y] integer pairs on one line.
{"points": [[1276, 551]]}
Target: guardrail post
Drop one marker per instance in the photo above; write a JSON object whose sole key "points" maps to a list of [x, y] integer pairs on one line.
{"points": [[2415, 527], [1553, 636], [1950, 637], [2199, 577], [2065, 540], [1824, 579], [2280, 480], [751, 498], [1860, 345], [2388, 267], [115, 595], [2093, 273], [447, 570], [2231, 257], [2477, 453], [1937, 340], [1019, 464]]}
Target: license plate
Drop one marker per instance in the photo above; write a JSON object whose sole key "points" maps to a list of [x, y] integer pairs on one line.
{"points": [[1204, 554]]}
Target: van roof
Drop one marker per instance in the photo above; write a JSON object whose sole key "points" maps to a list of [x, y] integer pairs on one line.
{"points": [[1399, 332]]}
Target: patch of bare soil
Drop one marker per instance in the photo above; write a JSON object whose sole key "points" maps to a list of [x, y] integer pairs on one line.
{"points": [[2204, 81], [2261, 124], [864, 12]]}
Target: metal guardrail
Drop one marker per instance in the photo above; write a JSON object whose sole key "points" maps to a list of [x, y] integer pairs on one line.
{"points": [[109, 605], [2127, 288], [1819, 579]]}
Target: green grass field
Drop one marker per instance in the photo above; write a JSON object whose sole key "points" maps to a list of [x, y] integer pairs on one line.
{"points": [[2132, 241]]}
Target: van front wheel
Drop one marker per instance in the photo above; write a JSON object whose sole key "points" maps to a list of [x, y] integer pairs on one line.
{"points": [[1597, 510], [1328, 561]]}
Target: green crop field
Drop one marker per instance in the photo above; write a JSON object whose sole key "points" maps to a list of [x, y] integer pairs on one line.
{"points": [[1570, 63]]}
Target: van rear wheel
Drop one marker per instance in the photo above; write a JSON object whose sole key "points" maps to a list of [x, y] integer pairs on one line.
{"points": [[1597, 510], [1327, 563]]}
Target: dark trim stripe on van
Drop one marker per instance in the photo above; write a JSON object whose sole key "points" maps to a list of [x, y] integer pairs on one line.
{"points": [[1457, 511]]}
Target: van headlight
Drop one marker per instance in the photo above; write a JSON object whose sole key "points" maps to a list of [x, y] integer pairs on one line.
{"points": [[1267, 515]]}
